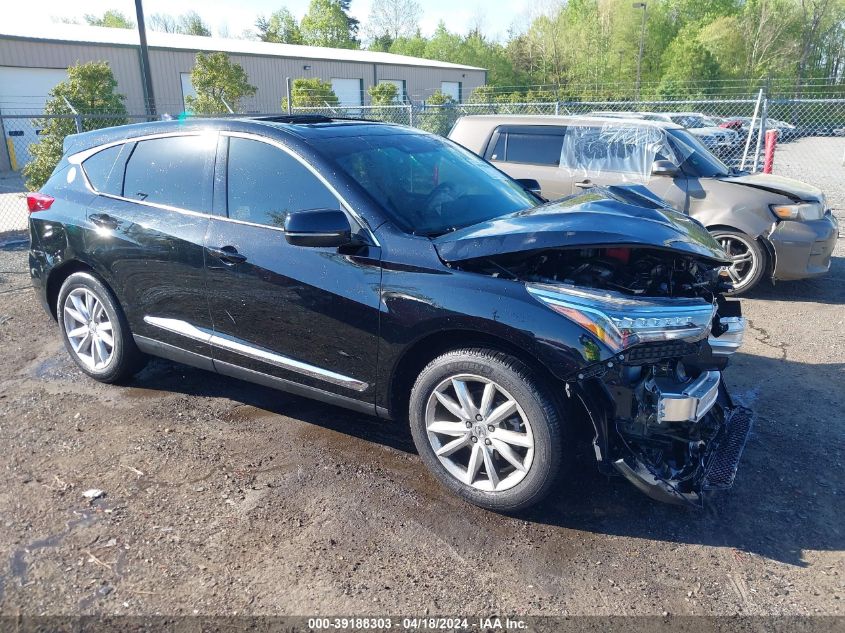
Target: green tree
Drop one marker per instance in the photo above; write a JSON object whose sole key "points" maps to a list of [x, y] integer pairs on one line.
{"points": [[440, 114], [311, 93], [353, 24], [381, 43], [112, 19], [383, 94], [413, 46], [91, 89], [483, 94], [280, 27], [191, 23], [326, 24], [689, 68], [217, 81]]}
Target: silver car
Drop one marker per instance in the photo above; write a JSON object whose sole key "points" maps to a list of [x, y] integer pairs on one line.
{"points": [[770, 226]]}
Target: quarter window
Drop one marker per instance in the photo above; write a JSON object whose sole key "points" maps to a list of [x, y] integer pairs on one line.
{"points": [[266, 183], [105, 168], [175, 171]]}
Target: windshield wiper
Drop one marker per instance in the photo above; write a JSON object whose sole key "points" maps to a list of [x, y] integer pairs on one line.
{"points": [[433, 234]]}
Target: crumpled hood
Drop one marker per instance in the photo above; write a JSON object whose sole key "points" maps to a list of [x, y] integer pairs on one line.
{"points": [[605, 223], [780, 185]]}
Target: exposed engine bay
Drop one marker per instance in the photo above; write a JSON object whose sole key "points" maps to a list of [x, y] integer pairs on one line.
{"points": [[636, 271], [658, 334]]}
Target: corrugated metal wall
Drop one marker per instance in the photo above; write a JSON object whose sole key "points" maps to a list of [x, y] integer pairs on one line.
{"points": [[266, 73], [123, 61]]}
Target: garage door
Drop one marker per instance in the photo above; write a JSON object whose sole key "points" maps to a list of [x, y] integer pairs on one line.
{"points": [[24, 91], [452, 89], [349, 91]]}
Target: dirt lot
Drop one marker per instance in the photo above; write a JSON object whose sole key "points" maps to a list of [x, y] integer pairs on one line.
{"points": [[223, 497]]}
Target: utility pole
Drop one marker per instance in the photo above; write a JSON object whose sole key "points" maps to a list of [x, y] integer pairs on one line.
{"points": [[644, 7], [146, 77]]}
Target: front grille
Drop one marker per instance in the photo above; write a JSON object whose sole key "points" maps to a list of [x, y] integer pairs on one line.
{"points": [[654, 352], [723, 465]]}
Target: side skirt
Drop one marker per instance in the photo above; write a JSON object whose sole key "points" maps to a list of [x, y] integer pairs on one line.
{"points": [[281, 384], [179, 355]]}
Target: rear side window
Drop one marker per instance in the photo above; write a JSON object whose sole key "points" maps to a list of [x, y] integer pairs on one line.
{"points": [[105, 168], [266, 183], [533, 145], [175, 171], [498, 152]]}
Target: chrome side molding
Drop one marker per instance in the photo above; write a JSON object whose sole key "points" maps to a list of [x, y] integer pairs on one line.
{"points": [[244, 348]]}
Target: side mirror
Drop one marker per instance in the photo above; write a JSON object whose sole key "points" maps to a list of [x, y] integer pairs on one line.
{"points": [[664, 168], [320, 227], [529, 184]]}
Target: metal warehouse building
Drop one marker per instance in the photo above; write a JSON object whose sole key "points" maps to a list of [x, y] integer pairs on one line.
{"points": [[31, 64]]}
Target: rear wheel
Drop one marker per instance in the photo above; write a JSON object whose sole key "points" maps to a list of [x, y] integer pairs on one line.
{"points": [[487, 428], [748, 259], [95, 331]]}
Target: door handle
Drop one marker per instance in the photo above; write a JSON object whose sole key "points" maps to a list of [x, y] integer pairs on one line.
{"points": [[227, 254], [104, 220], [584, 184]]}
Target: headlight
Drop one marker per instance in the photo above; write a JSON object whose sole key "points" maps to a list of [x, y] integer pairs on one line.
{"points": [[801, 211], [620, 321]]}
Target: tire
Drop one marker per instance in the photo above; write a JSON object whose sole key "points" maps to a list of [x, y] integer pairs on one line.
{"points": [[747, 272], [532, 427], [95, 331]]}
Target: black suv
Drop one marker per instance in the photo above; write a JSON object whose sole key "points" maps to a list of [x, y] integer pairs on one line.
{"points": [[390, 271]]}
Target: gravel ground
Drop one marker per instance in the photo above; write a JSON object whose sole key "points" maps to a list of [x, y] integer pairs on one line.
{"points": [[224, 497], [819, 161]]}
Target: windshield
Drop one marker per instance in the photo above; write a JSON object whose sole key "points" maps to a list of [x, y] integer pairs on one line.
{"points": [[426, 184], [697, 159]]}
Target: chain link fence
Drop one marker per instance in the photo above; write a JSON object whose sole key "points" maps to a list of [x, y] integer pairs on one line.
{"points": [[810, 134]]}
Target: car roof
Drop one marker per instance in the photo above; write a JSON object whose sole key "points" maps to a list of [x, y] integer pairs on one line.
{"points": [[542, 119], [304, 127]]}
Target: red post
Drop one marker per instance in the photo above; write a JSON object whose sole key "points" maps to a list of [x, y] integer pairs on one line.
{"points": [[769, 157]]}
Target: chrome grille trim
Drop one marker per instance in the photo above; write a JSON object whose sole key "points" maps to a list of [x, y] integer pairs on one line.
{"points": [[730, 341]]}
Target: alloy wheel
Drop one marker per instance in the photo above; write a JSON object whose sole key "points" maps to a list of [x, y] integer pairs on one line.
{"points": [[479, 433], [744, 264], [88, 328]]}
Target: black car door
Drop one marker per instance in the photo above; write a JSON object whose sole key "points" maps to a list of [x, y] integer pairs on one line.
{"points": [[148, 227], [306, 315]]}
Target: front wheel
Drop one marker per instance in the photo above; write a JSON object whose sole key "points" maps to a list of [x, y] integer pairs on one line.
{"points": [[748, 259], [487, 428]]}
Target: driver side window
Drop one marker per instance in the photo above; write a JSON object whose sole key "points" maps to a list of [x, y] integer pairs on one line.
{"points": [[265, 183]]}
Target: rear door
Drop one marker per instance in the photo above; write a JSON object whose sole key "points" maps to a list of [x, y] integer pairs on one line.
{"points": [[147, 229], [306, 315], [531, 151]]}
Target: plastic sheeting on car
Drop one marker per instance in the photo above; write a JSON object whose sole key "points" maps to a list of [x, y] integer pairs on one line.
{"points": [[625, 151]]}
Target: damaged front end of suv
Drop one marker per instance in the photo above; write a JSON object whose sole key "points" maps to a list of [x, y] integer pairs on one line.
{"points": [[645, 284]]}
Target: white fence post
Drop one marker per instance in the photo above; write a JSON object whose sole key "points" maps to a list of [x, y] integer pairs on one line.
{"points": [[751, 129], [761, 133]]}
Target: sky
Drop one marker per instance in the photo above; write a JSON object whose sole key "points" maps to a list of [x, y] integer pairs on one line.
{"points": [[234, 16]]}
